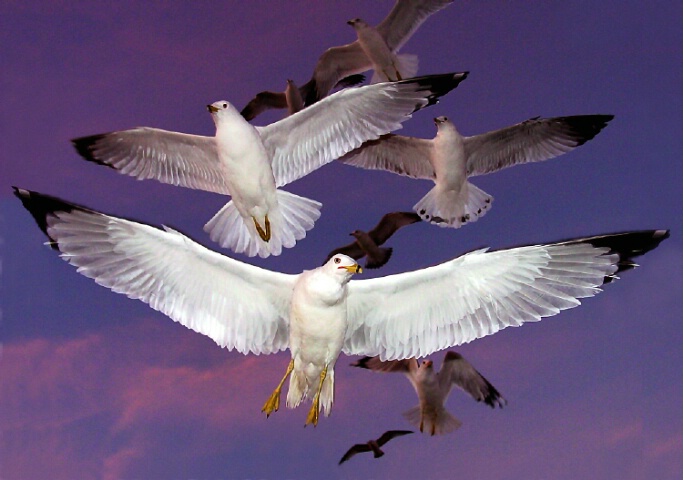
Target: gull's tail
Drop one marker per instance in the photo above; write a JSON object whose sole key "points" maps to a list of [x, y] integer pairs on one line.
{"points": [[435, 422], [299, 389], [453, 209], [406, 64], [289, 223]]}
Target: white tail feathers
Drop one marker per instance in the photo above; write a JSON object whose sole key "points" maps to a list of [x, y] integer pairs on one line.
{"points": [[435, 422], [405, 63], [453, 209], [300, 390], [289, 222]]}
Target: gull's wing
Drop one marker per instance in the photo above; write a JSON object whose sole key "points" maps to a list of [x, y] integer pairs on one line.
{"points": [[262, 102], [239, 306], [352, 250], [169, 157], [333, 65], [358, 448], [416, 313], [457, 371], [303, 142], [387, 366], [405, 18], [534, 140], [408, 156], [389, 434], [391, 222]]}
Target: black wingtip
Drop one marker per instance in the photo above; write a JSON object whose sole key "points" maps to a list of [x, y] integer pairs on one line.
{"points": [[627, 245], [586, 127], [439, 85], [41, 207], [85, 148]]}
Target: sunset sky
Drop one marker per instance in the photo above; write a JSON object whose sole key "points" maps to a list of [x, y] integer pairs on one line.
{"points": [[95, 385]]}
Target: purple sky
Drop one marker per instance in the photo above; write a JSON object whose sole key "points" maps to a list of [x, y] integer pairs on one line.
{"points": [[94, 385]]}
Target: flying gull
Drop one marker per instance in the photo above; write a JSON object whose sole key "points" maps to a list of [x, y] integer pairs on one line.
{"points": [[373, 445], [367, 244], [249, 163], [433, 388], [292, 98], [449, 159], [320, 313], [376, 48]]}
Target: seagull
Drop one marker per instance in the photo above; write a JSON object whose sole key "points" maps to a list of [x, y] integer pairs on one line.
{"points": [[320, 313], [373, 445], [449, 159], [292, 98], [367, 243], [433, 388], [376, 48], [249, 163]]}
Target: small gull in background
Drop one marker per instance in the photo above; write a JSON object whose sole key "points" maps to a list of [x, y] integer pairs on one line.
{"points": [[373, 445], [367, 244], [292, 98], [375, 48], [433, 388]]}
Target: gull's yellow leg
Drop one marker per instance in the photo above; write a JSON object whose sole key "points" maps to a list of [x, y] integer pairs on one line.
{"points": [[264, 234], [315, 409], [273, 402]]}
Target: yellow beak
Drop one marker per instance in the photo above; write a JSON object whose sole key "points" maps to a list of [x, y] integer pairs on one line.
{"points": [[354, 268], [211, 108]]}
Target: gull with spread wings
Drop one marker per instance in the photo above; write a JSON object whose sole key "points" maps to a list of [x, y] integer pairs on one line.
{"points": [[367, 244], [292, 98], [250, 163], [433, 388], [321, 313], [376, 48], [449, 159]]}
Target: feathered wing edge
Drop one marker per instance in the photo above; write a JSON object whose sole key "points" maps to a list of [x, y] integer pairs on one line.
{"points": [[239, 306]]}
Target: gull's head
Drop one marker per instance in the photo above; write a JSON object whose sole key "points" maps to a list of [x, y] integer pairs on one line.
{"points": [[425, 372], [357, 23], [443, 123], [220, 109], [343, 266]]}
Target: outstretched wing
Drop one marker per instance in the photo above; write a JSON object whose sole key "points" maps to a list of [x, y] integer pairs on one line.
{"points": [[408, 156], [263, 101], [457, 371], [533, 140], [416, 313], [405, 18], [239, 306], [170, 157], [303, 142], [391, 222]]}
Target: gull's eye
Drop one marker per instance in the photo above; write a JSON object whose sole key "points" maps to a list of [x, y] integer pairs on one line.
{"points": [[337, 260], [225, 105], [445, 119]]}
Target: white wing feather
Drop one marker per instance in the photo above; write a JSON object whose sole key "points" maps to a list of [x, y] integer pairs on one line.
{"points": [[239, 306], [170, 157], [325, 131], [405, 18], [417, 313], [406, 156]]}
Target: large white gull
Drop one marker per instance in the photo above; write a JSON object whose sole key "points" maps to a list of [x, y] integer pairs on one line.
{"points": [[320, 313], [449, 159], [249, 163]]}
